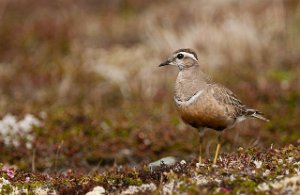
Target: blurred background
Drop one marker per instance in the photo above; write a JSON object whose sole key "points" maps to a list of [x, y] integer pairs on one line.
{"points": [[80, 86]]}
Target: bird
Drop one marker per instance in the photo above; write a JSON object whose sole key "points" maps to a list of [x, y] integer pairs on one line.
{"points": [[203, 103]]}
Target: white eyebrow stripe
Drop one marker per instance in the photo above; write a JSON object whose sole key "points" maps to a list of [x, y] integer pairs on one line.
{"points": [[189, 55]]}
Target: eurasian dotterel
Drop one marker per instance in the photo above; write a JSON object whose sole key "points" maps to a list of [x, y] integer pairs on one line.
{"points": [[203, 103]]}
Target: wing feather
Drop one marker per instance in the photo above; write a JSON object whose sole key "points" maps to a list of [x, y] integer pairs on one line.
{"points": [[233, 104]]}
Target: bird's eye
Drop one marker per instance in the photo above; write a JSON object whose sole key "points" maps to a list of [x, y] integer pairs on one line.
{"points": [[180, 56]]}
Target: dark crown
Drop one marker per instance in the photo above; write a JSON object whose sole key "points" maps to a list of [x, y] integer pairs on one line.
{"points": [[187, 50]]}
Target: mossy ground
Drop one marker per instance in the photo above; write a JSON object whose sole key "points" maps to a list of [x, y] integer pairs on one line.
{"points": [[251, 171], [88, 72]]}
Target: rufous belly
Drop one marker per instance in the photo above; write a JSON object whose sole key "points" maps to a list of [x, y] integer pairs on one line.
{"points": [[205, 112]]}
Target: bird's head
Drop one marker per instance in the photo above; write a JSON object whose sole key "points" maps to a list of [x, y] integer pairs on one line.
{"points": [[182, 58]]}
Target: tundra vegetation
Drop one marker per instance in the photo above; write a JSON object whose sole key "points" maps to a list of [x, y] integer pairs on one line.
{"points": [[84, 107]]}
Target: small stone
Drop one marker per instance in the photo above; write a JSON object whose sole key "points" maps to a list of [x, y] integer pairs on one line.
{"points": [[287, 172], [258, 164], [266, 172], [198, 165], [232, 178], [290, 159], [263, 187], [144, 188], [167, 161], [218, 180], [98, 190], [41, 191]]}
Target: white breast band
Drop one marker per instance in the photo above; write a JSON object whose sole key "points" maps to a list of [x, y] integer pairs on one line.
{"points": [[190, 100]]}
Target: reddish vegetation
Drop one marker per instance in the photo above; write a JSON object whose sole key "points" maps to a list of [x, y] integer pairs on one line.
{"points": [[88, 71]]}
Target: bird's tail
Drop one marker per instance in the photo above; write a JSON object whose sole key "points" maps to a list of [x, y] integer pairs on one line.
{"points": [[256, 114]]}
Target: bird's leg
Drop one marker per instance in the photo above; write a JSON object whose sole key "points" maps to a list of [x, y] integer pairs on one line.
{"points": [[201, 135], [218, 148]]}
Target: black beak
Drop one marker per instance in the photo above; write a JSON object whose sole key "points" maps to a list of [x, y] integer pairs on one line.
{"points": [[165, 63]]}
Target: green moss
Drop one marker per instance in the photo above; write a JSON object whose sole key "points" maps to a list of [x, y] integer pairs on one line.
{"points": [[244, 186], [281, 75], [134, 181]]}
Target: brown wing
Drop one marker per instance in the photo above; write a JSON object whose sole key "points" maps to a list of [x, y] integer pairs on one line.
{"points": [[234, 106]]}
